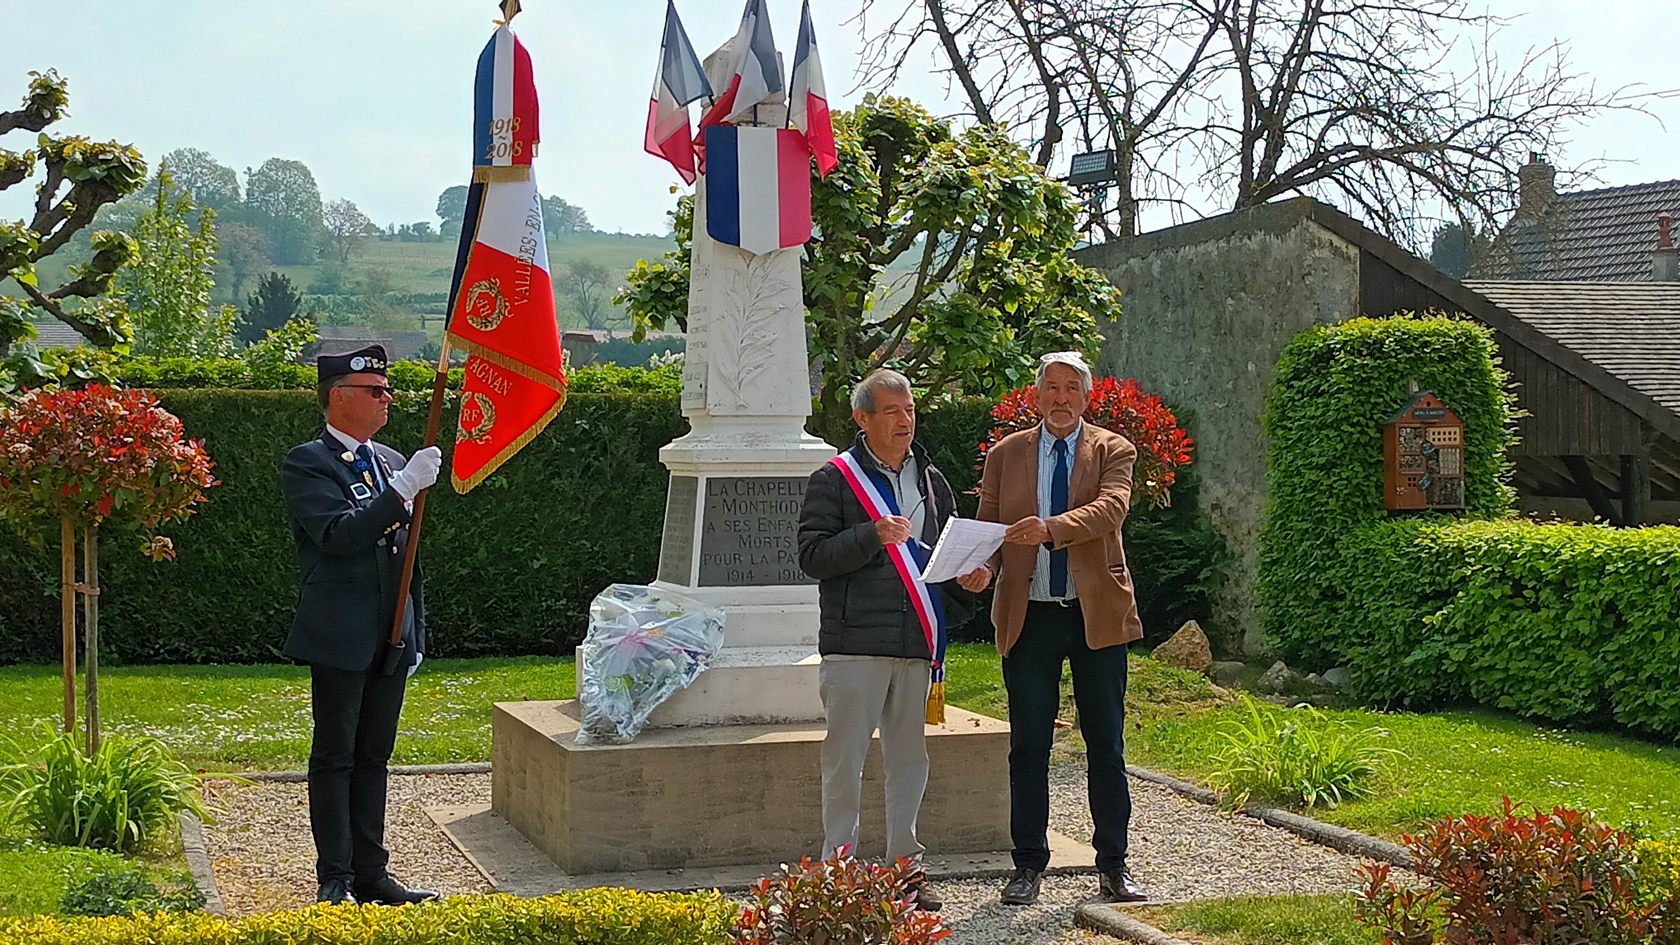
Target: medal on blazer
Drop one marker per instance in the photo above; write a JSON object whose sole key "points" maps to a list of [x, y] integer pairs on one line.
{"points": [[360, 491], [347, 456]]}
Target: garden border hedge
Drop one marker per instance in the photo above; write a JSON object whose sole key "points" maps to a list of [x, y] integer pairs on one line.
{"points": [[588, 917], [1571, 623]]}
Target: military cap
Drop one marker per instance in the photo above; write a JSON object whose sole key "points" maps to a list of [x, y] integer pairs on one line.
{"points": [[369, 360]]}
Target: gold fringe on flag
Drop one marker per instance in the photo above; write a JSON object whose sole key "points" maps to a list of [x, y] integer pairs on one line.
{"points": [[506, 174], [936, 703]]}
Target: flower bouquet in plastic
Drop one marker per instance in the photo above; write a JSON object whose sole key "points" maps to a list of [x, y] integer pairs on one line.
{"points": [[644, 644]]}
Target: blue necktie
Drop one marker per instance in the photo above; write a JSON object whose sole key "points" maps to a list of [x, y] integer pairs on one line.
{"points": [[1058, 505], [364, 463]]}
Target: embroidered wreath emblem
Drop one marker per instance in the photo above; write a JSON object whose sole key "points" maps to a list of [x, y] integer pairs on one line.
{"points": [[486, 306], [477, 419]]}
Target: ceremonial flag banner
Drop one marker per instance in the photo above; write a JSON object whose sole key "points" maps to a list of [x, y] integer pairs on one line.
{"points": [[755, 72], [679, 81], [504, 316], [758, 188], [808, 100], [504, 111]]}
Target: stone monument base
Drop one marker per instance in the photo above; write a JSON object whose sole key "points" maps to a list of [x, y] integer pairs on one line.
{"points": [[706, 796]]}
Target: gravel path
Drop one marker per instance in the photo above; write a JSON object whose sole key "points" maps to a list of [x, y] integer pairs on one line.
{"points": [[264, 858]]}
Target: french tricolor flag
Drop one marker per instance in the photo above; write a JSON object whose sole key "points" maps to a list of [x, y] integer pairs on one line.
{"points": [[504, 111], [758, 187], [808, 104], [679, 81], [755, 70]]}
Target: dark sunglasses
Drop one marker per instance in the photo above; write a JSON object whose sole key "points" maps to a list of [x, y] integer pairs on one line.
{"points": [[374, 390]]}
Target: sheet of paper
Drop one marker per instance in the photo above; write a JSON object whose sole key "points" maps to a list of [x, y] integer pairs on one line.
{"points": [[964, 545]]}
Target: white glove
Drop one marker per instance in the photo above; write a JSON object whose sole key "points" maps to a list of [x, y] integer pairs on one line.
{"points": [[420, 473]]}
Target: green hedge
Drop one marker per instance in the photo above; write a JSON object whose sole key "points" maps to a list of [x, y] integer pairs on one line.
{"points": [[1569, 623], [510, 567], [1334, 389], [235, 374], [588, 917]]}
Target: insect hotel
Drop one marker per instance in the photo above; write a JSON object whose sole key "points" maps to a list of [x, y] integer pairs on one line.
{"points": [[1423, 456]]}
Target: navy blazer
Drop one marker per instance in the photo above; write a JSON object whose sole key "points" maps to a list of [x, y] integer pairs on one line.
{"points": [[350, 554]]}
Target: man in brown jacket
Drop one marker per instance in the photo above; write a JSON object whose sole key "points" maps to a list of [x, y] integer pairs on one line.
{"points": [[1063, 594]]}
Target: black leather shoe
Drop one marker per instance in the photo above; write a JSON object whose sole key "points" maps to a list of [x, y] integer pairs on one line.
{"points": [[924, 897], [1022, 888], [334, 892], [389, 892], [1118, 886]]}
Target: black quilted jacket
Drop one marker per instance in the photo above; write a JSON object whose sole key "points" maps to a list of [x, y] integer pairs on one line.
{"points": [[866, 610]]}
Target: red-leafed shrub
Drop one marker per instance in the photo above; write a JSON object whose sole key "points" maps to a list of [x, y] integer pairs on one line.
{"points": [[1550, 877], [1122, 406], [94, 454], [841, 901]]}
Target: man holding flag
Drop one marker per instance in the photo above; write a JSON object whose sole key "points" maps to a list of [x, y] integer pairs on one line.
{"points": [[870, 517]]}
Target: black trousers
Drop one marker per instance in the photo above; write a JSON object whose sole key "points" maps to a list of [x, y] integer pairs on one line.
{"points": [[355, 730], [1032, 675]]}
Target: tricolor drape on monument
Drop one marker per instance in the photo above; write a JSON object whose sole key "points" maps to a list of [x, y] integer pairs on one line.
{"points": [[754, 75], [501, 307]]}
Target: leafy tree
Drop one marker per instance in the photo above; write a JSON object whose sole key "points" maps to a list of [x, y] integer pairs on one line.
{"points": [[244, 250], [586, 286], [275, 303], [1455, 250], [281, 346], [209, 183], [284, 202], [420, 232], [346, 226], [85, 457], [81, 177], [452, 209], [168, 287], [560, 217], [942, 253]]}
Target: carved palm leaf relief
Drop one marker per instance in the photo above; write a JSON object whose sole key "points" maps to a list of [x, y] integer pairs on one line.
{"points": [[743, 334]]}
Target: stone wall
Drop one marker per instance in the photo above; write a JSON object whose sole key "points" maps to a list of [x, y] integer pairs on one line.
{"points": [[1206, 309]]}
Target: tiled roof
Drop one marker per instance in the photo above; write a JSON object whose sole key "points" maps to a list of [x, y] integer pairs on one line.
{"points": [[1631, 330], [1603, 235]]}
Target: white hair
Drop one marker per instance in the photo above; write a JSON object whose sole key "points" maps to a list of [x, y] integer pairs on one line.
{"points": [[1072, 359], [863, 395]]}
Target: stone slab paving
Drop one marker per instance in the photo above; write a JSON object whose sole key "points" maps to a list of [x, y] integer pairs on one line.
{"points": [[1180, 850]]}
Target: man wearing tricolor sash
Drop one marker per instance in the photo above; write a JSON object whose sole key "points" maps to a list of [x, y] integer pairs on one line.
{"points": [[870, 518]]}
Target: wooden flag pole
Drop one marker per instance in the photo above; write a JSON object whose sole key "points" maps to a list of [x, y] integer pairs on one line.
{"points": [[440, 382], [394, 654]]}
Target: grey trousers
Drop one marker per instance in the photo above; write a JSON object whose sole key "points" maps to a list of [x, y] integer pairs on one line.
{"points": [[861, 694]]}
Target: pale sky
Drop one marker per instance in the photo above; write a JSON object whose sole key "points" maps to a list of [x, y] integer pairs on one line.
{"points": [[375, 96]]}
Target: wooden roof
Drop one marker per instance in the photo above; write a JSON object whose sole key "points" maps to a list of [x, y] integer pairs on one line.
{"points": [[1630, 329]]}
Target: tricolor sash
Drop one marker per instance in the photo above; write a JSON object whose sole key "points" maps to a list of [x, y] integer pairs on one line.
{"points": [[878, 500]]}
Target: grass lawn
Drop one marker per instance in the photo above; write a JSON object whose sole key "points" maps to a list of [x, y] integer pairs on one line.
{"points": [[256, 718], [1460, 762], [250, 718], [34, 876], [1271, 920]]}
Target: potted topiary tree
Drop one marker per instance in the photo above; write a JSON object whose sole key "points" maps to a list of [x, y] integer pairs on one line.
{"points": [[83, 458]]}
